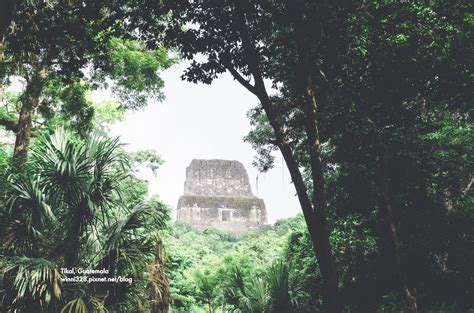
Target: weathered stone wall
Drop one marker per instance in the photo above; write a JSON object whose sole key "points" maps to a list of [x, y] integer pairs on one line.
{"points": [[217, 194], [217, 178]]}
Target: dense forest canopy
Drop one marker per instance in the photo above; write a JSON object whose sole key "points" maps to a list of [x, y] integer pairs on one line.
{"points": [[369, 103]]}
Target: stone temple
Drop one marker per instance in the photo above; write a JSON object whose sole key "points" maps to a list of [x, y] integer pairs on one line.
{"points": [[217, 194]]}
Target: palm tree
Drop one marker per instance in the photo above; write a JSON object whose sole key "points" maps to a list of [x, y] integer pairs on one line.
{"points": [[33, 281], [279, 287], [81, 180], [66, 210], [246, 296], [269, 293]]}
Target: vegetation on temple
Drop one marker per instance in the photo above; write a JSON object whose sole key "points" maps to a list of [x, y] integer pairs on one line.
{"points": [[370, 106]]}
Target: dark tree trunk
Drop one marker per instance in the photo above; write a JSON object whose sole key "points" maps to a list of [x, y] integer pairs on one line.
{"points": [[315, 215], [389, 235], [73, 244], [30, 101], [2, 58], [320, 230], [315, 218], [7, 12]]}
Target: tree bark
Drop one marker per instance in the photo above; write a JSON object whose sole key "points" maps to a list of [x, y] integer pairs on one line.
{"points": [[2, 58], [315, 219], [320, 235], [389, 234], [72, 245], [9, 124], [30, 101], [7, 12]]}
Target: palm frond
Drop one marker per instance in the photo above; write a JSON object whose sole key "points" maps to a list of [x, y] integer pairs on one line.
{"points": [[37, 283], [127, 239], [81, 179], [63, 164], [30, 198], [106, 152], [28, 215], [234, 288], [19, 238], [256, 298], [86, 304], [278, 285], [77, 305]]}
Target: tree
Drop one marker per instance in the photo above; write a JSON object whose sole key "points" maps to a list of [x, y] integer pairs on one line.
{"points": [[75, 185], [392, 94], [83, 40], [8, 9], [268, 293], [207, 288], [386, 79]]}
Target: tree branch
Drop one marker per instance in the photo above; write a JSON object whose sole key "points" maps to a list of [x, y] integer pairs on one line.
{"points": [[281, 140], [11, 125], [466, 189], [240, 78], [273, 142]]}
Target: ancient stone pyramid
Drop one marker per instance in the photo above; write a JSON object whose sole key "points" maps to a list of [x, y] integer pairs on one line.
{"points": [[217, 194]]}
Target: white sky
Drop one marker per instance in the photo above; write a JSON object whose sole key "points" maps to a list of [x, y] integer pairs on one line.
{"points": [[203, 122]]}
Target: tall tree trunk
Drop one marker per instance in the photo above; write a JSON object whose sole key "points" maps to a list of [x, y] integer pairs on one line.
{"points": [[2, 58], [72, 246], [315, 216], [307, 98], [315, 219], [389, 234], [72, 250], [320, 230], [160, 289], [30, 101], [7, 13]]}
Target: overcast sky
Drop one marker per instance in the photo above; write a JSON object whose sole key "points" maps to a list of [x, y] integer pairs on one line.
{"points": [[203, 122]]}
